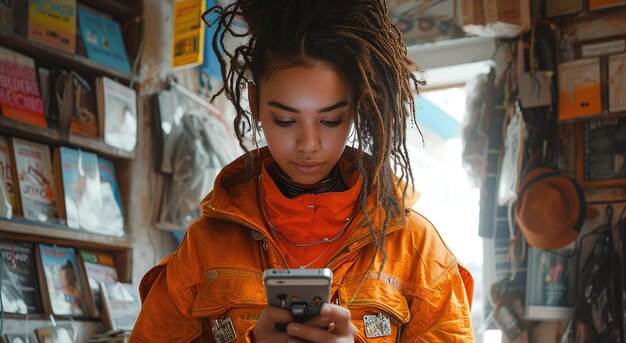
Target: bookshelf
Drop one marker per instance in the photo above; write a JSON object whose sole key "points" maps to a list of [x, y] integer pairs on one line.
{"points": [[39, 51], [18, 229], [52, 136]]}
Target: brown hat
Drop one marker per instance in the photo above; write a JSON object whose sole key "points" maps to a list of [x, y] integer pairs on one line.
{"points": [[550, 209]]}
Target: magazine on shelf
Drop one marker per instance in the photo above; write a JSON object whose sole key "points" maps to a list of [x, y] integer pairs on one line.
{"points": [[20, 290], [121, 305], [98, 267], [33, 167], [63, 288], [6, 174], [111, 212], [53, 23], [117, 110], [102, 37], [77, 180], [20, 100], [550, 283]]}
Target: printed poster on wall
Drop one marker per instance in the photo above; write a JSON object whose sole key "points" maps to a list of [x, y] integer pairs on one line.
{"points": [[579, 88], [617, 83]]}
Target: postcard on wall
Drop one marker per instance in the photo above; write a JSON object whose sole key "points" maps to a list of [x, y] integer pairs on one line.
{"points": [[601, 151], [617, 83], [580, 94]]}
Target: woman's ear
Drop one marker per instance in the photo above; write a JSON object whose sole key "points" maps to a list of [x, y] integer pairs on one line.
{"points": [[252, 99]]}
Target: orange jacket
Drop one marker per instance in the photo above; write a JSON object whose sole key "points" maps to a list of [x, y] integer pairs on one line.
{"points": [[216, 274]]}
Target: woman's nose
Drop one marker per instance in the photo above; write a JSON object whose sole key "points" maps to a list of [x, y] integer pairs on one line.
{"points": [[308, 139]]}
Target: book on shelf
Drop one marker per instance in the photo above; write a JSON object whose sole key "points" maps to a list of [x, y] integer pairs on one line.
{"points": [[97, 267], [77, 184], [63, 291], [121, 305], [33, 169], [551, 276], [20, 289], [20, 99], [112, 210], [580, 92], [102, 37], [117, 110], [7, 174], [60, 333], [53, 23]]}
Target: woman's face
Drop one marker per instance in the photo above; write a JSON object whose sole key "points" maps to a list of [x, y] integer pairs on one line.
{"points": [[306, 115]]}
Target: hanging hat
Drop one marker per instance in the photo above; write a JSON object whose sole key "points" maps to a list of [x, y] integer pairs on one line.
{"points": [[550, 209]]}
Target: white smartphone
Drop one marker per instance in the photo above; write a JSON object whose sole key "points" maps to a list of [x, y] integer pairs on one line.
{"points": [[301, 291]]}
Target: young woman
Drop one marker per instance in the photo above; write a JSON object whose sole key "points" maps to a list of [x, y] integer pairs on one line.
{"points": [[317, 72]]}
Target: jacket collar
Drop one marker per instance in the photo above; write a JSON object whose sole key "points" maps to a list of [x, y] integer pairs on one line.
{"points": [[235, 199]]}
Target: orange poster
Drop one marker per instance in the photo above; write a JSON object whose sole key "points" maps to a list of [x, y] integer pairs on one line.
{"points": [[579, 88]]}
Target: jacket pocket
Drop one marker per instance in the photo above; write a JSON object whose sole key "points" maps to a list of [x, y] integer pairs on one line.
{"points": [[232, 297], [378, 309]]}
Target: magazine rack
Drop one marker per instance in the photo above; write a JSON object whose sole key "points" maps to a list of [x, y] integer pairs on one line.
{"points": [[18, 229]]}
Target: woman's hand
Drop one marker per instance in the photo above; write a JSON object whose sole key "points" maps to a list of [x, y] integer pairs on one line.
{"points": [[265, 330], [332, 325]]}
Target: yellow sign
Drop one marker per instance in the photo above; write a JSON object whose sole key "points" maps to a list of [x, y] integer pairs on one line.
{"points": [[188, 47]]}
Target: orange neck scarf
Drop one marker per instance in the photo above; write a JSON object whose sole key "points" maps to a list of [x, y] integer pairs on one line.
{"points": [[309, 218]]}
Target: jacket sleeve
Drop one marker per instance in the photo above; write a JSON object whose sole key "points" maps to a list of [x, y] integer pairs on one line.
{"points": [[443, 315], [166, 309]]}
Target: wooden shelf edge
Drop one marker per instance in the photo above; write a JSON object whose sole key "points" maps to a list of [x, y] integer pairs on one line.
{"points": [[53, 136], [119, 9], [61, 233], [37, 51]]}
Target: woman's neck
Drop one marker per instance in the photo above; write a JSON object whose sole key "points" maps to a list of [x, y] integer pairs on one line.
{"points": [[291, 189]]}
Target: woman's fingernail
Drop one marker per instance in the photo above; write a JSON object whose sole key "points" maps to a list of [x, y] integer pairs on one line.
{"points": [[293, 328]]}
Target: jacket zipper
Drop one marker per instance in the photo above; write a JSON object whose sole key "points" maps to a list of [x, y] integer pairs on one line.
{"points": [[237, 220]]}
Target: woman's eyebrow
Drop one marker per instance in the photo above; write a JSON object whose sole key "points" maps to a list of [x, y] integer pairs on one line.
{"points": [[284, 107], [334, 107]]}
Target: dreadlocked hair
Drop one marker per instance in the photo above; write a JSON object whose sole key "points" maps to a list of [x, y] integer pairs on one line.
{"points": [[357, 38]]}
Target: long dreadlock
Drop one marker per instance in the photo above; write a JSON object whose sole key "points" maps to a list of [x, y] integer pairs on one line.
{"points": [[359, 40]]}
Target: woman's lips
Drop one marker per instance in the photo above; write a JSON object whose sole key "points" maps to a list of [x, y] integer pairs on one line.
{"points": [[308, 167]]}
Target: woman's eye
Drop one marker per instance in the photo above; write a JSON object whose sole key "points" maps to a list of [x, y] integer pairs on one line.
{"points": [[283, 123], [331, 123]]}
